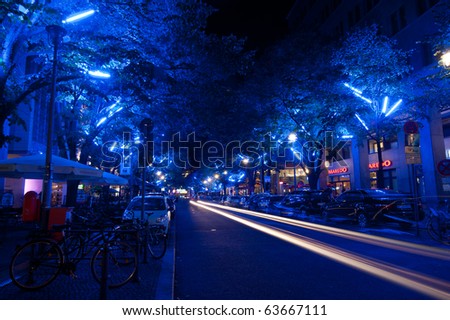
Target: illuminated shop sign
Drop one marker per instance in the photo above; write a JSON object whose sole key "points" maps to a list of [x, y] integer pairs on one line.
{"points": [[386, 163], [338, 170]]}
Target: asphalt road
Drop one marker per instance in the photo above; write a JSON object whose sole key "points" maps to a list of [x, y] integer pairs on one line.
{"points": [[225, 255]]}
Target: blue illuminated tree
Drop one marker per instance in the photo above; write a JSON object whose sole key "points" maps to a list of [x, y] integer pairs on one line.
{"points": [[377, 76], [441, 41], [296, 88]]}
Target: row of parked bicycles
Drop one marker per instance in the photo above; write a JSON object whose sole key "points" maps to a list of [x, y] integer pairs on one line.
{"points": [[363, 207], [111, 247]]}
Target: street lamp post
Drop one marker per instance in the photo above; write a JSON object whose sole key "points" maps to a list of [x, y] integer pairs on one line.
{"points": [[56, 33]]}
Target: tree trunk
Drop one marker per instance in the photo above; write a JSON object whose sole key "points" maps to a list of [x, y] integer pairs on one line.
{"points": [[380, 173], [313, 179]]}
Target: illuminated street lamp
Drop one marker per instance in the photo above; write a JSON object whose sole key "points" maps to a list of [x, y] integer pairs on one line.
{"points": [[445, 59], [56, 33]]}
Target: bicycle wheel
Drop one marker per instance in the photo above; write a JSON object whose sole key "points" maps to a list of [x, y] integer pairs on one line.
{"points": [[433, 228], [121, 263], [156, 242], [72, 246], [36, 264]]}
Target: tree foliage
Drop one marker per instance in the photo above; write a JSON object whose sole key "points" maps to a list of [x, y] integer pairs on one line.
{"points": [[376, 69], [300, 94]]}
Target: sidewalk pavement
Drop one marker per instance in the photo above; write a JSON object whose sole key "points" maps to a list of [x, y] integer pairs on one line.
{"points": [[155, 280]]}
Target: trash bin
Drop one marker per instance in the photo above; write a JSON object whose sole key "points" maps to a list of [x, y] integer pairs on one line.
{"points": [[31, 207], [57, 216]]}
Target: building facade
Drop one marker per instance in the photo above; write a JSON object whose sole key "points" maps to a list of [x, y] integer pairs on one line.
{"points": [[409, 22]]}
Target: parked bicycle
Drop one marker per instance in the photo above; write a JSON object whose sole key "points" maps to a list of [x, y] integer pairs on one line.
{"points": [[151, 237], [438, 223], [38, 262]]}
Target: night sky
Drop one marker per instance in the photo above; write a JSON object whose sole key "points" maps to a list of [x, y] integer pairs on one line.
{"points": [[262, 21]]}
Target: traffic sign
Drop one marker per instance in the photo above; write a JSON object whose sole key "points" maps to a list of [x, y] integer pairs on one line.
{"points": [[413, 158], [411, 127], [444, 167], [413, 155]]}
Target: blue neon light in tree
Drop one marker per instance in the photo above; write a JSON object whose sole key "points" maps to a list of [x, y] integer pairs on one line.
{"points": [[380, 112], [376, 70]]}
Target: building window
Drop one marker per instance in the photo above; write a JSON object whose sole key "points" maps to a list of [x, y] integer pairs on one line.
{"points": [[345, 152], [390, 179], [373, 147], [370, 4], [398, 20], [446, 128], [340, 183], [423, 6], [386, 144]]}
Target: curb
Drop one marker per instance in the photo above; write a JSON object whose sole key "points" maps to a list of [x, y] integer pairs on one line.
{"points": [[165, 285]]}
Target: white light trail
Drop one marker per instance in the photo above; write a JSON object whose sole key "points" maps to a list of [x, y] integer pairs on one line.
{"points": [[432, 287]]}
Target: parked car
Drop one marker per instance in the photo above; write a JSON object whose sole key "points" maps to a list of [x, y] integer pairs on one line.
{"points": [[269, 203], [366, 206], [157, 210], [233, 201], [254, 201], [305, 201]]}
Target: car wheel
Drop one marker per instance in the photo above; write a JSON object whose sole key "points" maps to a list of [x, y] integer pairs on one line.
{"points": [[362, 219]]}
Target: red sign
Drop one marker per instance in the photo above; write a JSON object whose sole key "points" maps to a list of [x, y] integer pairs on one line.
{"points": [[338, 170], [444, 167], [374, 165], [411, 127]]}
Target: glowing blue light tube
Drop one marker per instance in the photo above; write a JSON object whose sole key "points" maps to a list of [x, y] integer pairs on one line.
{"points": [[99, 74], [101, 121], [394, 107], [361, 121], [79, 16], [385, 103]]}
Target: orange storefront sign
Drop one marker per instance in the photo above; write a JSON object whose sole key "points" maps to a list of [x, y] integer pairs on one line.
{"points": [[338, 170], [374, 165]]}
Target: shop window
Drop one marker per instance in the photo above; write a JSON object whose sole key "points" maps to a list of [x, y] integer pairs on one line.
{"points": [[340, 183], [390, 179]]}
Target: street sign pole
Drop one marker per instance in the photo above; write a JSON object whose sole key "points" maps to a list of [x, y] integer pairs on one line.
{"points": [[413, 157]]}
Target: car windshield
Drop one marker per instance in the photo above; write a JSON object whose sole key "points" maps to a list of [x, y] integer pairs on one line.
{"points": [[150, 204], [384, 193]]}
